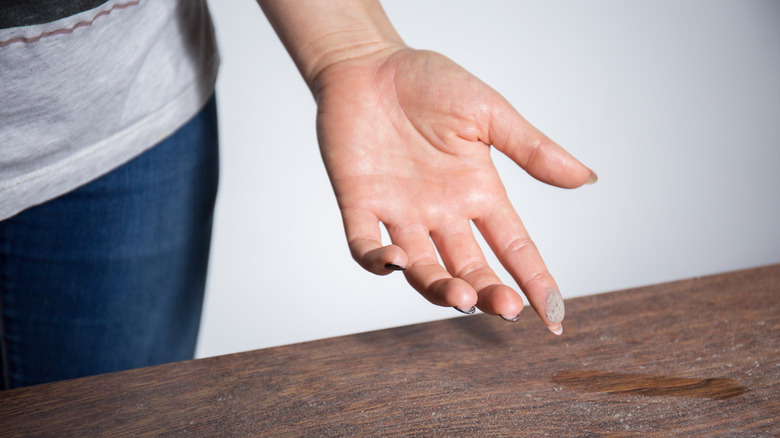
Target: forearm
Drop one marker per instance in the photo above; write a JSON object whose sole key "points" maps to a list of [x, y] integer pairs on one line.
{"points": [[319, 33]]}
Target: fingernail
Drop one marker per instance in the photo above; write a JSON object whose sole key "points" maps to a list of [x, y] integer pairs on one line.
{"points": [[467, 312], [556, 329], [394, 267], [592, 178], [555, 307], [513, 319]]}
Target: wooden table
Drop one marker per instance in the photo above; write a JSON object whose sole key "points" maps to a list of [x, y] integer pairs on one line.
{"points": [[697, 357]]}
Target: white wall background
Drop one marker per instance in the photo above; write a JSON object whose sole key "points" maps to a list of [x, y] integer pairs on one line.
{"points": [[676, 105]]}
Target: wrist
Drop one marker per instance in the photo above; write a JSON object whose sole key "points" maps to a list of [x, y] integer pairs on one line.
{"points": [[319, 35], [342, 64], [348, 47]]}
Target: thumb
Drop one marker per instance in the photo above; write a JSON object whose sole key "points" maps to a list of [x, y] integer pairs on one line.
{"points": [[541, 157]]}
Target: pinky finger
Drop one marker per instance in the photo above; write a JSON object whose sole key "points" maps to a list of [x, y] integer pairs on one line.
{"points": [[364, 238]]}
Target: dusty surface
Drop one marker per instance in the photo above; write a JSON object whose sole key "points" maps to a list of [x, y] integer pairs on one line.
{"points": [[694, 358]]}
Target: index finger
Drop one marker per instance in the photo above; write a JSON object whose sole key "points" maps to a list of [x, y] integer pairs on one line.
{"points": [[504, 232]]}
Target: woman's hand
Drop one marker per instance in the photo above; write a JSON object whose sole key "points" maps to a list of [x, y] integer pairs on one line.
{"points": [[406, 136]]}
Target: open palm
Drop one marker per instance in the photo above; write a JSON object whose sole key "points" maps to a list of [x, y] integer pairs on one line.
{"points": [[405, 136]]}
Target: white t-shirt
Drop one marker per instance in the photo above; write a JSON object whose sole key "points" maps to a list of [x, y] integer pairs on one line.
{"points": [[83, 94]]}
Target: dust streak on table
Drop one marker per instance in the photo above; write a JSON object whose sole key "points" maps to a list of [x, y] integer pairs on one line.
{"points": [[699, 357]]}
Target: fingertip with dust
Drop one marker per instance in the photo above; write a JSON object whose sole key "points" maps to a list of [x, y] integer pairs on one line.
{"points": [[555, 311]]}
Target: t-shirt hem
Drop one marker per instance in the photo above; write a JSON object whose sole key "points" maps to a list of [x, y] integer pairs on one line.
{"points": [[99, 159]]}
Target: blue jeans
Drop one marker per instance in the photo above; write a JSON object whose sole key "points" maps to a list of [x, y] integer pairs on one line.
{"points": [[111, 276]]}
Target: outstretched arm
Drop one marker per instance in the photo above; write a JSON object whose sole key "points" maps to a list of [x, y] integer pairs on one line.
{"points": [[405, 136]]}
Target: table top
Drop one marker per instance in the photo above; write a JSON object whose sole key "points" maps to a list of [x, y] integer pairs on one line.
{"points": [[698, 357]]}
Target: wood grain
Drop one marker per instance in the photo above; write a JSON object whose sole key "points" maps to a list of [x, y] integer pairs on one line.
{"points": [[699, 357]]}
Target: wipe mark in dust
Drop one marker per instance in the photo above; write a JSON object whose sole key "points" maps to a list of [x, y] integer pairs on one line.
{"points": [[648, 385]]}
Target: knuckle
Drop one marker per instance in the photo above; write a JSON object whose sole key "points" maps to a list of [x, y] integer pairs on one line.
{"points": [[473, 269], [423, 262], [518, 245], [541, 276], [535, 149]]}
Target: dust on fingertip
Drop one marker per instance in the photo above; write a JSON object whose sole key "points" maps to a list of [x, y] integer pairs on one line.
{"points": [[555, 308]]}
